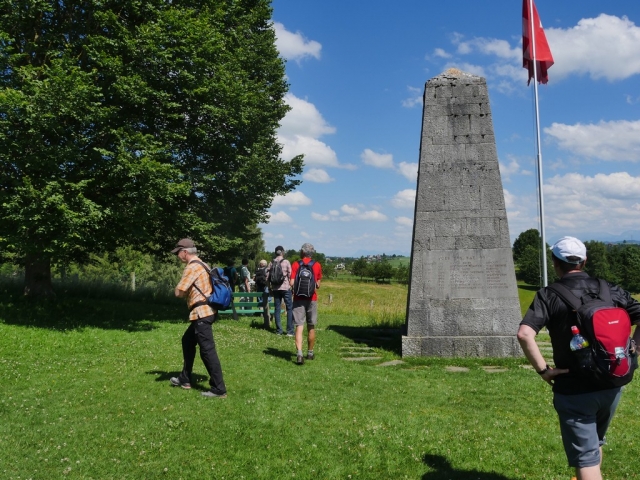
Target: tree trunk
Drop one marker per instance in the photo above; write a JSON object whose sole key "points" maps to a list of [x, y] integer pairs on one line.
{"points": [[37, 277]]}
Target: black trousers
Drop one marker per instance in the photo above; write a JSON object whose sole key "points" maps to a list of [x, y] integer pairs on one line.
{"points": [[200, 333]]}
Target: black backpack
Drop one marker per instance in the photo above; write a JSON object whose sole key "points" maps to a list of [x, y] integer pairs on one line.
{"points": [[276, 275], [305, 282], [607, 328], [261, 275]]}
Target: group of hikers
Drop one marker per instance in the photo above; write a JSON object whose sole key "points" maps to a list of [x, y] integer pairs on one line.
{"points": [[295, 284], [583, 315]]}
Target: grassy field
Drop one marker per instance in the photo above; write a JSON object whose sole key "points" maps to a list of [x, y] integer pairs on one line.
{"points": [[85, 395]]}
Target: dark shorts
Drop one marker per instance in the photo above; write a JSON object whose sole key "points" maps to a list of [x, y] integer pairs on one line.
{"points": [[584, 420]]}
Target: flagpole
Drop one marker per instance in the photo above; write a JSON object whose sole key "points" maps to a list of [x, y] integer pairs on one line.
{"points": [[543, 249]]}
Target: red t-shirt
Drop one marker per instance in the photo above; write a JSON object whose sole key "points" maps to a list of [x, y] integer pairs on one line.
{"points": [[317, 273]]}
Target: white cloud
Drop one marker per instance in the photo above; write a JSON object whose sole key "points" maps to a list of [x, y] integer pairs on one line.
{"points": [[489, 46], [373, 215], [601, 203], [349, 210], [299, 133], [603, 47], [439, 52], [348, 213], [316, 153], [404, 221], [378, 160], [294, 46], [303, 119], [415, 98], [404, 199], [292, 199], [409, 171], [317, 175], [587, 207], [279, 217], [305, 235], [319, 217], [270, 235], [615, 140], [507, 170]]}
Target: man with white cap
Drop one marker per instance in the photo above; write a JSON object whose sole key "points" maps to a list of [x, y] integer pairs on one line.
{"points": [[585, 406]]}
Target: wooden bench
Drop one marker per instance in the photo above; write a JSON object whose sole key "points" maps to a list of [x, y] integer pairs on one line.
{"points": [[250, 307]]}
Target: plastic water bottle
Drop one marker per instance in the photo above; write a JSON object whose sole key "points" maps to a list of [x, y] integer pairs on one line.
{"points": [[579, 345], [578, 342]]}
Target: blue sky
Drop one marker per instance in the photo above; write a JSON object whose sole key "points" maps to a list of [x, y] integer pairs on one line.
{"points": [[357, 72]]}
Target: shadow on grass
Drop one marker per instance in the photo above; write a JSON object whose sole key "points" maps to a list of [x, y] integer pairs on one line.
{"points": [[444, 471], [531, 288], [284, 354], [196, 379], [70, 313], [386, 338]]}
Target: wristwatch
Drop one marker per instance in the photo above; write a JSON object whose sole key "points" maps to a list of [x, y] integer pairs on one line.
{"points": [[546, 369]]}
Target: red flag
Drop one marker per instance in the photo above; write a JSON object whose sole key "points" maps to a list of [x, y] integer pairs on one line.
{"points": [[543, 56]]}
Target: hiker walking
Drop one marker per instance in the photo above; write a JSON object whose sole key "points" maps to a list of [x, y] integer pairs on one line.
{"points": [[278, 273], [584, 401], [260, 279], [195, 286], [305, 276]]}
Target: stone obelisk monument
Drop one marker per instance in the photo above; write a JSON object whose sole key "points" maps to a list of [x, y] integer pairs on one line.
{"points": [[463, 299]]}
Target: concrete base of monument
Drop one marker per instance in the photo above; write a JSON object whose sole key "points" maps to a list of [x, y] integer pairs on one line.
{"points": [[481, 347]]}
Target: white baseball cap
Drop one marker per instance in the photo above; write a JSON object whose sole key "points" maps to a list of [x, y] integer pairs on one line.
{"points": [[570, 247]]}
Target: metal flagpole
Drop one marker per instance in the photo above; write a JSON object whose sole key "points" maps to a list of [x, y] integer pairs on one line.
{"points": [[543, 249]]}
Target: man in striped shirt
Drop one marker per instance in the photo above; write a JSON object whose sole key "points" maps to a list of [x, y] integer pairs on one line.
{"points": [[195, 286]]}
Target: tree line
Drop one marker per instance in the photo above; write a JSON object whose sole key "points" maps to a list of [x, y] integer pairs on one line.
{"points": [[616, 263]]}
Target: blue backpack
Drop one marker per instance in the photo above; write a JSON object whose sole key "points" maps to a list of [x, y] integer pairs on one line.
{"points": [[220, 298]]}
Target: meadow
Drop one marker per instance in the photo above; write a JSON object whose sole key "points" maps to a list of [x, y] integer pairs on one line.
{"points": [[86, 395]]}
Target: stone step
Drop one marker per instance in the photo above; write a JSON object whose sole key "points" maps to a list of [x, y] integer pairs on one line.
{"points": [[360, 359]]}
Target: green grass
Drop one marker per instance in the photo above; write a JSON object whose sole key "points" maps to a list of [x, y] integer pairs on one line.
{"points": [[85, 395]]}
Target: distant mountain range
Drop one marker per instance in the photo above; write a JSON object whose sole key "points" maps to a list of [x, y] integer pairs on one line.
{"points": [[630, 236]]}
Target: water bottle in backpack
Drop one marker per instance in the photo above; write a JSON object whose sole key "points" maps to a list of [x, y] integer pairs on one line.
{"points": [[580, 347]]}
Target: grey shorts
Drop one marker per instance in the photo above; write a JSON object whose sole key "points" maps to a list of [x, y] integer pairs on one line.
{"points": [[305, 310], [584, 420]]}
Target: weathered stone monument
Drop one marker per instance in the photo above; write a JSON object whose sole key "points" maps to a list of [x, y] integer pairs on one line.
{"points": [[463, 298]]}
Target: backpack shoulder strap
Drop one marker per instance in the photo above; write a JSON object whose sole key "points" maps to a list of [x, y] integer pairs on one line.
{"points": [[605, 291], [202, 264], [566, 295], [208, 274]]}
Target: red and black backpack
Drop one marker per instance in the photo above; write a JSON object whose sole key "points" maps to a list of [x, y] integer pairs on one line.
{"points": [[607, 329]]}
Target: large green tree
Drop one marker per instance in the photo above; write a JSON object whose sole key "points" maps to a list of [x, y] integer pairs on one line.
{"points": [[527, 258], [597, 262], [527, 238], [136, 122]]}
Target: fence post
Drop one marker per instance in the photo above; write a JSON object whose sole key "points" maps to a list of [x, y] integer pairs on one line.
{"points": [[330, 298], [371, 304]]}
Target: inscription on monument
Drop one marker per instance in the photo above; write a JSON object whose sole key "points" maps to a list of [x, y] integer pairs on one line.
{"points": [[466, 274]]}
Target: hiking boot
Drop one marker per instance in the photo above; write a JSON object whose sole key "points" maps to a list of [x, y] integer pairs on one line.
{"points": [[175, 381], [210, 394], [310, 356], [300, 360]]}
